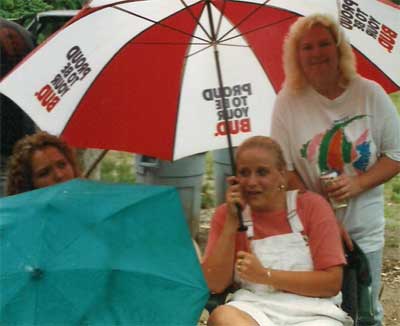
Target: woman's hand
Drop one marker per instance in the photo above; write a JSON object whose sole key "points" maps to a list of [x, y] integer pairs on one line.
{"points": [[323, 283], [234, 198], [249, 268], [344, 187]]}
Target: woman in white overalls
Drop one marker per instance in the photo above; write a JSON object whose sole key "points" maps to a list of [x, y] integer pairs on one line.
{"points": [[290, 272]]}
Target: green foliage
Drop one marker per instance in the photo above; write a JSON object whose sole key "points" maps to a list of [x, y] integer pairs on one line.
{"points": [[395, 190], [8, 4], [66, 4], [396, 100], [207, 196], [24, 10], [392, 201], [117, 167], [396, 186], [392, 188], [207, 191]]}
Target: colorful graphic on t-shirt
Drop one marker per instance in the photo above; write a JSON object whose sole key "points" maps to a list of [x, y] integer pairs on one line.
{"points": [[332, 150]]}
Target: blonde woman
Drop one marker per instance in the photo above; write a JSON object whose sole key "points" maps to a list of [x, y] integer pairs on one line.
{"points": [[293, 273], [326, 118]]}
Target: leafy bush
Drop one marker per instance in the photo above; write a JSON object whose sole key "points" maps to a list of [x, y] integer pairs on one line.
{"points": [[208, 193], [117, 167], [23, 11]]}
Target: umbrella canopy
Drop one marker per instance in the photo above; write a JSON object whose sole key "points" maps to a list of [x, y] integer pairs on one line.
{"points": [[87, 253], [154, 77]]}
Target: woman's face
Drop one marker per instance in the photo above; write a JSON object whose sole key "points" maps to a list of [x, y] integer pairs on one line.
{"points": [[50, 166], [259, 178], [318, 56]]}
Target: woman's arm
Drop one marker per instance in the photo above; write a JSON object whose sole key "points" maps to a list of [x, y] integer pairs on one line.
{"points": [[346, 187], [324, 283], [218, 266], [219, 263]]}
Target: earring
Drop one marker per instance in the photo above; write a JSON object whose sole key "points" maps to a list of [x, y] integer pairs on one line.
{"points": [[282, 187]]}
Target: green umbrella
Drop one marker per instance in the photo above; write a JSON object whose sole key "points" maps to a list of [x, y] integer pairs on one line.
{"points": [[88, 253]]}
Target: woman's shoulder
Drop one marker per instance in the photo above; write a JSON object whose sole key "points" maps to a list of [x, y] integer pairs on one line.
{"points": [[309, 196], [314, 209], [309, 200], [367, 85]]}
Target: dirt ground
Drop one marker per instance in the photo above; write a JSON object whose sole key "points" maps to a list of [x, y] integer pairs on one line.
{"points": [[391, 278], [390, 294]]}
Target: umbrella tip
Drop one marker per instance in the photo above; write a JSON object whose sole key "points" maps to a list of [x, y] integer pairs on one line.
{"points": [[36, 272]]}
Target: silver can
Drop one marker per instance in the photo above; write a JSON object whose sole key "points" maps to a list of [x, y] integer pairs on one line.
{"points": [[326, 179]]}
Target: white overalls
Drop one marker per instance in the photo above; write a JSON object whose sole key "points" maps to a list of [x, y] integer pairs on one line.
{"points": [[270, 307]]}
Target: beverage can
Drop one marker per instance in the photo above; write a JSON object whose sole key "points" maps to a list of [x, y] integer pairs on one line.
{"points": [[326, 179]]}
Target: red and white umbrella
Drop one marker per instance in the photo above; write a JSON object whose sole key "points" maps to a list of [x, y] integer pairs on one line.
{"points": [[154, 76]]}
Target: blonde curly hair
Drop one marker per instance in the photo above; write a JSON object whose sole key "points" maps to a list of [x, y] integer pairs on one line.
{"points": [[294, 77], [19, 169]]}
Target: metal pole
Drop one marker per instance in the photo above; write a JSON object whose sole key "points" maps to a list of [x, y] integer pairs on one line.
{"points": [[94, 164], [214, 41]]}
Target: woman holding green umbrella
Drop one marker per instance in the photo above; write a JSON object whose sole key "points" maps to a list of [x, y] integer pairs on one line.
{"points": [[38, 161]]}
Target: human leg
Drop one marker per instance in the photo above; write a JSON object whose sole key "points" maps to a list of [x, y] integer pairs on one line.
{"points": [[228, 315], [322, 322]]}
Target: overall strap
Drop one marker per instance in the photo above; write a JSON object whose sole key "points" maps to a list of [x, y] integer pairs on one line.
{"points": [[293, 218]]}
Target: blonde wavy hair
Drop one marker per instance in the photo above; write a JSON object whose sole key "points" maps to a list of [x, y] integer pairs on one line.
{"points": [[19, 176], [294, 77]]}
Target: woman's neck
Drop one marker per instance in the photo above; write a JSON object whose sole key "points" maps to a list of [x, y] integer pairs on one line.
{"points": [[329, 89], [276, 204], [330, 93]]}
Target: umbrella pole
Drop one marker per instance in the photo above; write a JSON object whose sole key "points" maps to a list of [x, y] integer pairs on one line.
{"points": [[242, 227], [89, 171]]}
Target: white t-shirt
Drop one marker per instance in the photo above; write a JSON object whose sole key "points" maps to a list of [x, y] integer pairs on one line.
{"points": [[347, 134]]}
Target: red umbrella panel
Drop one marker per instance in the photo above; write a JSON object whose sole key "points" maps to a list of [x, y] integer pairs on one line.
{"points": [[170, 78]]}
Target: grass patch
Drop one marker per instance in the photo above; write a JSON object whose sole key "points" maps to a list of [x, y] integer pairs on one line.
{"points": [[392, 200]]}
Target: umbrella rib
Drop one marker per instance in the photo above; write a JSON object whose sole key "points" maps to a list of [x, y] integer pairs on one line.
{"points": [[235, 45], [198, 51], [206, 46], [174, 43], [256, 29], [245, 18], [161, 24], [219, 24], [195, 19]]}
